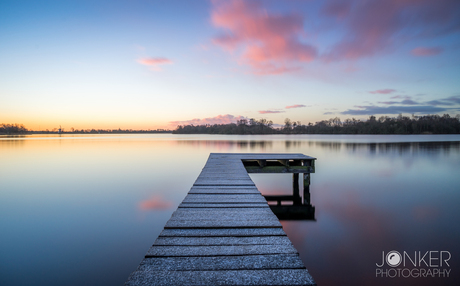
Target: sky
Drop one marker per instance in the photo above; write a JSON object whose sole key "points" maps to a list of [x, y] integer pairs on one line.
{"points": [[157, 64]]}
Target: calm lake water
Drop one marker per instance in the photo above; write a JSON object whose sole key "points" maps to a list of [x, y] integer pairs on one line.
{"points": [[84, 209]]}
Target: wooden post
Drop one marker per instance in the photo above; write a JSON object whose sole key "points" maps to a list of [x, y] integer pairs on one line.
{"points": [[306, 188], [295, 189], [262, 163]]}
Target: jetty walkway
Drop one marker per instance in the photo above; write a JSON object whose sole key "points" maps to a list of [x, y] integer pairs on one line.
{"points": [[224, 232]]}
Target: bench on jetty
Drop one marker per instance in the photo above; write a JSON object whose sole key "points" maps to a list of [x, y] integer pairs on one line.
{"points": [[224, 232]]}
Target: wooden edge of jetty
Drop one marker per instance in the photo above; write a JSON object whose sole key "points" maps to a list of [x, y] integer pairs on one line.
{"points": [[225, 233]]}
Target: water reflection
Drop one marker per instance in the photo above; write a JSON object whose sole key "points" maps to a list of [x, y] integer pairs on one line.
{"points": [[292, 211], [399, 148], [404, 148], [295, 205], [86, 197], [155, 203], [228, 144], [382, 148]]}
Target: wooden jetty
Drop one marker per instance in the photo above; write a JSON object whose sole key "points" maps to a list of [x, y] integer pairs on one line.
{"points": [[224, 232]]}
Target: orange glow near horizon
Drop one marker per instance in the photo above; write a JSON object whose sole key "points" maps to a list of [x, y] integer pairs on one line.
{"points": [[50, 123]]}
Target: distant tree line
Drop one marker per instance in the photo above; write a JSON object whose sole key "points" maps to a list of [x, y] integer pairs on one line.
{"points": [[428, 124], [243, 126], [12, 129]]}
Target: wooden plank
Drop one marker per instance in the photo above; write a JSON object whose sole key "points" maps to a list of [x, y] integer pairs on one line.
{"points": [[224, 177], [223, 182], [247, 262], [209, 241], [223, 205], [226, 187], [221, 218], [222, 215], [209, 223], [223, 190], [224, 198], [271, 156], [232, 232], [280, 169], [218, 250], [226, 277], [225, 212]]}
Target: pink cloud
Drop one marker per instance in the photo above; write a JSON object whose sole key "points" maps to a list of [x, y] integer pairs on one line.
{"points": [[382, 91], [155, 203], [376, 27], [295, 106], [270, 111], [219, 119], [154, 63], [425, 52], [269, 43]]}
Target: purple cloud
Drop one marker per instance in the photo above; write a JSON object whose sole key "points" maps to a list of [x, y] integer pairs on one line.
{"points": [[409, 102], [270, 111], [295, 106], [376, 27], [383, 91], [453, 100], [404, 102], [439, 102]]}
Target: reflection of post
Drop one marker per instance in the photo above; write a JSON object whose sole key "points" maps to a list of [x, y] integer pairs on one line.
{"points": [[295, 189], [306, 188]]}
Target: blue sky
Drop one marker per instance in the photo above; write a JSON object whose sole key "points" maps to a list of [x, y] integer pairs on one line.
{"points": [[156, 64]]}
